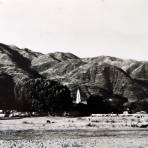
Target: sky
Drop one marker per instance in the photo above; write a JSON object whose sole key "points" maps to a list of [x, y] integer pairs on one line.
{"points": [[86, 28]]}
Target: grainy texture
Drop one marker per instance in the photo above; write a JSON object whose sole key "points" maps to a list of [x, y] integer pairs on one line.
{"points": [[105, 131], [93, 76]]}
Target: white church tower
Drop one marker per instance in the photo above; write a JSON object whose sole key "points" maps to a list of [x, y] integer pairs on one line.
{"points": [[78, 97]]}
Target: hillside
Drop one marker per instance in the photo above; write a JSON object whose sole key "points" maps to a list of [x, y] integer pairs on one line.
{"points": [[16, 62], [102, 76], [92, 75], [15, 67]]}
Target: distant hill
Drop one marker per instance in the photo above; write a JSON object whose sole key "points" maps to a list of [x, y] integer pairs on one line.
{"points": [[103, 75], [127, 78], [15, 67]]}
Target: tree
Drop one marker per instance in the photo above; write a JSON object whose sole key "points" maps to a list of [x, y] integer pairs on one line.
{"points": [[43, 95], [7, 100], [96, 104], [112, 103], [139, 105]]}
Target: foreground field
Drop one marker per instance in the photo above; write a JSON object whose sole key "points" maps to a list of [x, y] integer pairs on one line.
{"points": [[75, 139], [63, 132]]}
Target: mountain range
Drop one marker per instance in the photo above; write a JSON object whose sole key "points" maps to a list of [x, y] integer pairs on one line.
{"points": [[104, 76]]}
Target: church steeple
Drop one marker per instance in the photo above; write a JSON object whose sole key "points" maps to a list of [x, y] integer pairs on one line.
{"points": [[78, 97]]}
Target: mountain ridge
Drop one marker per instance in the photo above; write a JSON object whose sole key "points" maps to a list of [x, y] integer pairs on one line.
{"points": [[103, 76]]}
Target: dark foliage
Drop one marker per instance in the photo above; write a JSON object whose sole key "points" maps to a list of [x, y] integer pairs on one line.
{"points": [[42, 95], [6, 92], [97, 104], [79, 110], [140, 105], [115, 104]]}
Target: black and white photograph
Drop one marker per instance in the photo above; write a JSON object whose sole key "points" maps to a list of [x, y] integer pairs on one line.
{"points": [[73, 73]]}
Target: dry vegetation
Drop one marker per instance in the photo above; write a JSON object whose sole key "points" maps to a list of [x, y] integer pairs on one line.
{"points": [[84, 132]]}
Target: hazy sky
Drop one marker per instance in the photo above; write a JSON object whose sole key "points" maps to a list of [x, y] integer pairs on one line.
{"points": [[84, 27]]}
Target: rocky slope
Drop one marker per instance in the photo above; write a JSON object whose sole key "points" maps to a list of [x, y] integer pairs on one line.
{"points": [[103, 76], [15, 66], [16, 63]]}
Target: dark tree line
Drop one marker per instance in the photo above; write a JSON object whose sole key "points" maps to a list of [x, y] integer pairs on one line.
{"points": [[113, 103], [6, 91], [42, 95], [140, 105]]}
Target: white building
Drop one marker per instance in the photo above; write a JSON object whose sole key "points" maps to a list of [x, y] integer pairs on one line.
{"points": [[78, 97]]}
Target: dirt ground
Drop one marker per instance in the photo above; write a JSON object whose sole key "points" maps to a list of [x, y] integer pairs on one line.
{"points": [[61, 132]]}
